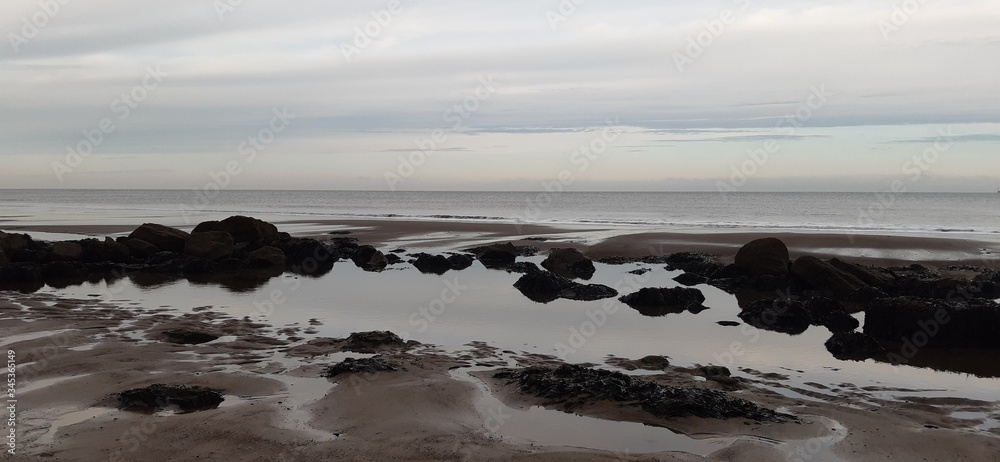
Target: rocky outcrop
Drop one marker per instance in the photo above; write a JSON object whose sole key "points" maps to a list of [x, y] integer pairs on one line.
{"points": [[66, 251], [140, 248], [209, 245], [763, 257], [159, 396], [266, 257], [818, 274], [853, 346], [247, 229], [544, 287], [164, 238], [496, 256], [369, 258], [918, 322], [11, 243], [569, 263], [371, 365], [652, 301], [869, 276], [4, 260], [786, 316]]}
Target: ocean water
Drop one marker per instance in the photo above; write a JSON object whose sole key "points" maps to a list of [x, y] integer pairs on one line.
{"points": [[921, 213]]}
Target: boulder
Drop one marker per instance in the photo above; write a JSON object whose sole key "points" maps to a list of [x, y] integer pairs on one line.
{"points": [[588, 292], [371, 365], [818, 274], [308, 256], [209, 245], [207, 226], [652, 301], [66, 251], [831, 314], [870, 276], [247, 229], [853, 346], [497, 255], [189, 337], [690, 279], [140, 248], [763, 257], [789, 317], [920, 322], [569, 263], [373, 341], [108, 250], [266, 257], [369, 258], [542, 286], [164, 238], [10, 243], [432, 264], [460, 261]]}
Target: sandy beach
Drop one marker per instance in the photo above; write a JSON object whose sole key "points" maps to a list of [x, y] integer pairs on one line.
{"points": [[75, 354]]}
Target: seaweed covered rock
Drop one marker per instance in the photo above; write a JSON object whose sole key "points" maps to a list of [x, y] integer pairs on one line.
{"points": [[818, 274], [460, 261], [371, 365], [588, 292], [763, 257], [372, 342], [570, 386], [209, 245], [189, 337], [854, 346], [432, 264], [369, 258], [496, 255], [786, 316], [308, 257], [569, 263], [653, 301], [922, 322], [159, 396], [544, 287], [164, 238]]}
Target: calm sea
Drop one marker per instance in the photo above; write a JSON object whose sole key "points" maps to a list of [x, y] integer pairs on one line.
{"points": [[850, 212]]}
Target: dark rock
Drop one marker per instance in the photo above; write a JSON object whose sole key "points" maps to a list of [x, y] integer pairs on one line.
{"points": [[159, 396], [542, 286], [66, 251], [372, 342], [432, 264], [108, 250], [247, 229], [654, 362], [523, 267], [710, 371], [209, 245], [691, 262], [987, 284], [361, 366], [763, 257], [140, 248], [369, 258], [65, 270], [853, 346], [496, 256], [865, 295], [640, 271], [207, 226], [839, 321], [164, 238], [729, 272], [13, 242], [588, 292], [789, 317], [821, 275], [393, 259], [728, 323], [4, 259], [20, 273], [308, 256], [460, 261], [570, 386], [266, 257], [920, 322], [569, 263], [651, 301], [870, 276], [690, 279], [189, 337]]}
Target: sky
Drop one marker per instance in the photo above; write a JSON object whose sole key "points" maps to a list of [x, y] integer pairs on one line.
{"points": [[776, 95]]}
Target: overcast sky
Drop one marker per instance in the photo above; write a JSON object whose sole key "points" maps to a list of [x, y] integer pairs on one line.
{"points": [[851, 95]]}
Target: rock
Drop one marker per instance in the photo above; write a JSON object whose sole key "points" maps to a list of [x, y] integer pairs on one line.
{"points": [[497, 256], [654, 362], [266, 257], [108, 250], [640, 271], [432, 264], [372, 342], [523, 267], [66, 251], [690, 279], [920, 322], [65, 270], [163, 237], [140, 248], [460, 261], [542, 286], [692, 262], [189, 337], [4, 260], [789, 317], [853, 346], [988, 283], [819, 274], [207, 226], [393, 259], [308, 256], [870, 276], [763, 257], [369, 258], [728, 323], [651, 301], [247, 229], [830, 314], [569, 263], [11, 243], [209, 245], [159, 396], [361, 366], [839, 322], [19, 273], [570, 386], [588, 292]]}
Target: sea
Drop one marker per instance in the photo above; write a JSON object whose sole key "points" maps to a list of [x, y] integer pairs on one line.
{"points": [[977, 215], [481, 305]]}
